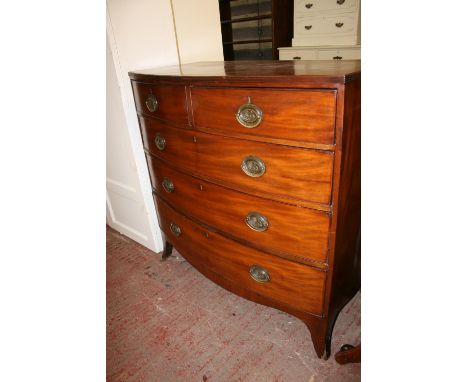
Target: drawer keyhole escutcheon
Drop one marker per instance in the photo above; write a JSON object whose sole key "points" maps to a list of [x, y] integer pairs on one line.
{"points": [[168, 185], [175, 229], [257, 221], [253, 166], [259, 274], [249, 115], [160, 142], [151, 103]]}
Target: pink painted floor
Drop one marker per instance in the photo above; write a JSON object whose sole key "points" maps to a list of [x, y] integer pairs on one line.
{"points": [[166, 322]]}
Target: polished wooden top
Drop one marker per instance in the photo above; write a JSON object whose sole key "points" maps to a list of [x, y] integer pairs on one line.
{"points": [[327, 71]]}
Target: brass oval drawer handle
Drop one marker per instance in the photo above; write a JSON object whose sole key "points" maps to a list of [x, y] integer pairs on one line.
{"points": [[257, 221], [337, 58], [160, 142], [253, 166], [259, 274], [249, 115], [308, 27], [151, 103], [339, 25], [175, 229], [296, 57], [309, 5], [168, 185], [340, 1]]}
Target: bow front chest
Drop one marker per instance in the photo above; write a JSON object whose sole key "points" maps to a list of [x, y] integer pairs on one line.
{"points": [[255, 169]]}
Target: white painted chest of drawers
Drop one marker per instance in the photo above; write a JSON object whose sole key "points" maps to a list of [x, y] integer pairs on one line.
{"points": [[326, 22], [329, 52]]}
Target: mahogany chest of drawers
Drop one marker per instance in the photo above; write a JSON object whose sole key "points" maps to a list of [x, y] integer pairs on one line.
{"points": [[255, 169]]}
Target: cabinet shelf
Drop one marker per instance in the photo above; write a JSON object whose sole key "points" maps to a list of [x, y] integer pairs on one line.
{"points": [[255, 29], [248, 41], [251, 18]]}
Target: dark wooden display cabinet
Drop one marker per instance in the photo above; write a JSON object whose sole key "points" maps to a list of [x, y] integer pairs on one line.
{"points": [[255, 29]]}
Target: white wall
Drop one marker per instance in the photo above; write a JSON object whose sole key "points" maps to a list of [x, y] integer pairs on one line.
{"points": [[126, 209], [198, 30], [143, 34]]}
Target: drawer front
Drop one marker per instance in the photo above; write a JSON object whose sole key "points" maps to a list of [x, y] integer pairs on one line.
{"points": [[336, 25], [298, 54], [311, 7], [291, 173], [340, 54], [162, 101], [293, 115], [270, 225], [174, 145], [291, 283], [265, 169]]}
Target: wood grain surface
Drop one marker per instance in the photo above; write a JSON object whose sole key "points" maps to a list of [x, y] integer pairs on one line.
{"points": [[345, 276], [309, 141], [291, 173], [172, 102], [290, 282], [263, 73], [180, 147], [297, 232], [293, 115]]}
